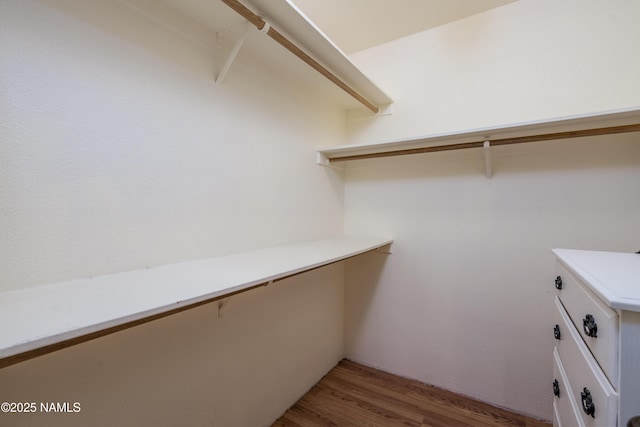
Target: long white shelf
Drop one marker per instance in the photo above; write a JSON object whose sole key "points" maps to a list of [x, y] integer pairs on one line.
{"points": [[604, 119], [42, 319], [290, 18], [284, 16]]}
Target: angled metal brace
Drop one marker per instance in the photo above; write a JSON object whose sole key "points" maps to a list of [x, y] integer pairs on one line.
{"points": [[233, 54], [221, 305], [488, 169], [384, 250]]}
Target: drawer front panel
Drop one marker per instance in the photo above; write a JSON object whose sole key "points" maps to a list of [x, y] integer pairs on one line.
{"points": [[556, 417], [589, 313], [564, 407], [585, 380]]}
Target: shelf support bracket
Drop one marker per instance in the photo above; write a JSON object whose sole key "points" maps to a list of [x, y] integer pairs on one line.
{"points": [[322, 160], [384, 250], [487, 160], [233, 54], [221, 305]]}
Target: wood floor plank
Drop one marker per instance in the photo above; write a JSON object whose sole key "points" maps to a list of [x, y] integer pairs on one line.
{"points": [[430, 399], [417, 391], [350, 411], [360, 396], [402, 403], [374, 397], [307, 418]]}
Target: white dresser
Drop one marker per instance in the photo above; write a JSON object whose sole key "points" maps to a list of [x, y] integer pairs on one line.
{"points": [[596, 357]]}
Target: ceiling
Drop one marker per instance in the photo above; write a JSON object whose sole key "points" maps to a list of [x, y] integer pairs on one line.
{"points": [[355, 25]]}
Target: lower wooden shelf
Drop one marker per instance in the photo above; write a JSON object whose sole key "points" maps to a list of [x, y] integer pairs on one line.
{"points": [[47, 318]]}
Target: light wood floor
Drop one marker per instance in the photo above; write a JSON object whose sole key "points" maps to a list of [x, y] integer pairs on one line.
{"points": [[355, 395]]}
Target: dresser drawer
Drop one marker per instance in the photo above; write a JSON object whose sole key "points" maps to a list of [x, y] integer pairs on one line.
{"points": [[565, 410], [590, 314], [585, 380], [556, 416]]}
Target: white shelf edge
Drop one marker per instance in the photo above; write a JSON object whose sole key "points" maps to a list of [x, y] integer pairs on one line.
{"points": [[559, 124], [618, 294], [327, 52], [50, 314]]}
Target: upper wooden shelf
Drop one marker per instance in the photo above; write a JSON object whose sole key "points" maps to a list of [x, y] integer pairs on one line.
{"points": [[43, 319], [601, 123], [282, 15]]}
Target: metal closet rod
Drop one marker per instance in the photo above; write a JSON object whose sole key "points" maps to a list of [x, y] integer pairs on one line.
{"points": [[282, 40], [494, 142]]}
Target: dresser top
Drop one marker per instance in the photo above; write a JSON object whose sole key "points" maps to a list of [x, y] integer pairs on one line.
{"points": [[613, 276]]}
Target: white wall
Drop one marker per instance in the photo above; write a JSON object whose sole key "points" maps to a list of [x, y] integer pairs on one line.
{"points": [[528, 60], [464, 301], [118, 152]]}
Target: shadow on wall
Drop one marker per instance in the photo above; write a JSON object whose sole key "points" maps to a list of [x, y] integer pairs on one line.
{"points": [[121, 20], [362, 275], [156, 31]]}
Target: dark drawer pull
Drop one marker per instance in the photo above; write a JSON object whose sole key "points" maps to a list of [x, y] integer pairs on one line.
{"points": [[556, 332], [556, 388], [587, 403], [590, 327], [558, 282]]}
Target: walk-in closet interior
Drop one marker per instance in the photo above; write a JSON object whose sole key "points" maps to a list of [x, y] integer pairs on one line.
{"points": [[206, 205]]}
